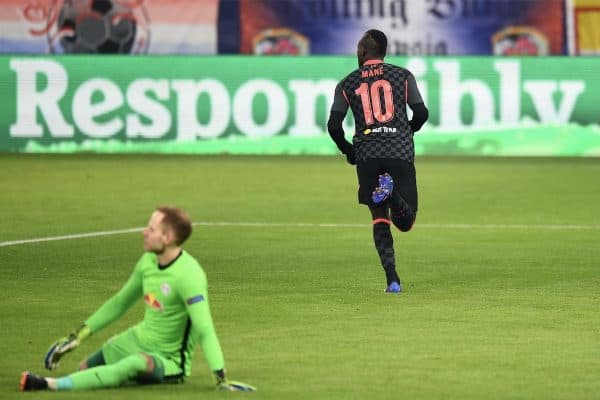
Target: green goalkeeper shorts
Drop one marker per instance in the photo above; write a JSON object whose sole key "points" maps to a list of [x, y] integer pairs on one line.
{"points": [[126, 344]]}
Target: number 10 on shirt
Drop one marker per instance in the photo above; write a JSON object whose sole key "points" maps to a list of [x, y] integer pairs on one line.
{"points": [[373, 102]]}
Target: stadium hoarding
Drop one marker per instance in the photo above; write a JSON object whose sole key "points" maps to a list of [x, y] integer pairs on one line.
{"points": [[323, 27], [583, 20], [431, 27], [279, 105], [108, 26]]}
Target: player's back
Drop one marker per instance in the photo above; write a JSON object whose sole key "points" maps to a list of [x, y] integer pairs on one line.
{"points": [[377, 95]]}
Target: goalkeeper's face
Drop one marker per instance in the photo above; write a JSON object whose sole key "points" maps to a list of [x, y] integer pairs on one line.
{"points": [[156, 235]]}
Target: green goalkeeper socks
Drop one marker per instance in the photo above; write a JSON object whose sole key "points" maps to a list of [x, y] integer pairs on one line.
{"points": [[65, 383]]}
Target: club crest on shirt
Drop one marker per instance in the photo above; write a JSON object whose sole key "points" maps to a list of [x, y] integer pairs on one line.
{"points": [[165, 288], [153, 302]]}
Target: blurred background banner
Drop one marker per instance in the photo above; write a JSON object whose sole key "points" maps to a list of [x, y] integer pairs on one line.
{"points": [[294, 27], [108, 26], [584, 27], [428, 27], [221, 104]]}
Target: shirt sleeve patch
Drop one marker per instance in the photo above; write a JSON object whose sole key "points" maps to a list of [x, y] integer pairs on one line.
{"points": [[195, 299]]}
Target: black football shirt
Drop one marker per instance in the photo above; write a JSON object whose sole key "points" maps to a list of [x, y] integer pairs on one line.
{"points": [[377, 93]]}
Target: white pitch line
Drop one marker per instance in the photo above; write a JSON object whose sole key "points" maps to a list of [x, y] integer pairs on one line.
{"points": [[304, 225], [426, 226], [68, 237], [508, 226]]}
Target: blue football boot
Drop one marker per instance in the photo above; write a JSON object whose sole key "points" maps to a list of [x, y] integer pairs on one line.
{"points": [[384, 190], [394, 287]]}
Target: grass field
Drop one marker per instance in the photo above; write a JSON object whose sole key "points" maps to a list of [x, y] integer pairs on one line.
{"points": [[501, 274]]}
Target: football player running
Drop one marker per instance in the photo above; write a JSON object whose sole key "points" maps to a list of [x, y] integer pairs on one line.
{"points": [[382, 147]]}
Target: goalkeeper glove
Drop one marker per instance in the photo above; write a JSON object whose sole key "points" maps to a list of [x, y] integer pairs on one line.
{"points": [[64, 345], [231, 386]]}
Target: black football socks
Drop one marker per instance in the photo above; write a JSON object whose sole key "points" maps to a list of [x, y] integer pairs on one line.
{"points": [[384, 243]]}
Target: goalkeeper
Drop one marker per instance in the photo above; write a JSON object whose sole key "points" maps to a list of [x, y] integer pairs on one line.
{"points": [[177, 316]]}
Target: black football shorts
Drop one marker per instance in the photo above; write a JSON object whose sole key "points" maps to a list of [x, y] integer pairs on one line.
{"points": [[403, 173]]}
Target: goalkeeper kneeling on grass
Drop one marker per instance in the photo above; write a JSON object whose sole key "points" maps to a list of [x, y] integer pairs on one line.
{"points": [[177, 316]]}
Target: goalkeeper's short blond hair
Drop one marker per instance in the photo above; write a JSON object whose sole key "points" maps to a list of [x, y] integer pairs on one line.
{"points": [[178, 220]]}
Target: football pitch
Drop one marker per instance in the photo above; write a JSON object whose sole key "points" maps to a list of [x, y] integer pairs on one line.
{"points": [[501, 273]]}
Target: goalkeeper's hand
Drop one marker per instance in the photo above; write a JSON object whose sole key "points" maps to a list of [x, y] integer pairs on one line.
{"points": [[64, 345], [232, 386]]}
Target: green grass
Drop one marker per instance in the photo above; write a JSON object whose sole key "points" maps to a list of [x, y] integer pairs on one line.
{"points": [[504, 307]]}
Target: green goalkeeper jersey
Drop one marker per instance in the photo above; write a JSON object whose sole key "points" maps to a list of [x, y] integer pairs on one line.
{"points": [[177, 313]]}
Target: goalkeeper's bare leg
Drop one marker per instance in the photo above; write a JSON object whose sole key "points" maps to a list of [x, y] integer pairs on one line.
{"points": [[102, 376]]}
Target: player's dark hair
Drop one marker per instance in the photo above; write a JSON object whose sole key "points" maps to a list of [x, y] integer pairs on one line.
{"points": [[178, 220], [375, 43]]}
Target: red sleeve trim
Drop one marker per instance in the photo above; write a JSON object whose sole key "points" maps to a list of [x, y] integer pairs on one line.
{"points": [[346, 97]]}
